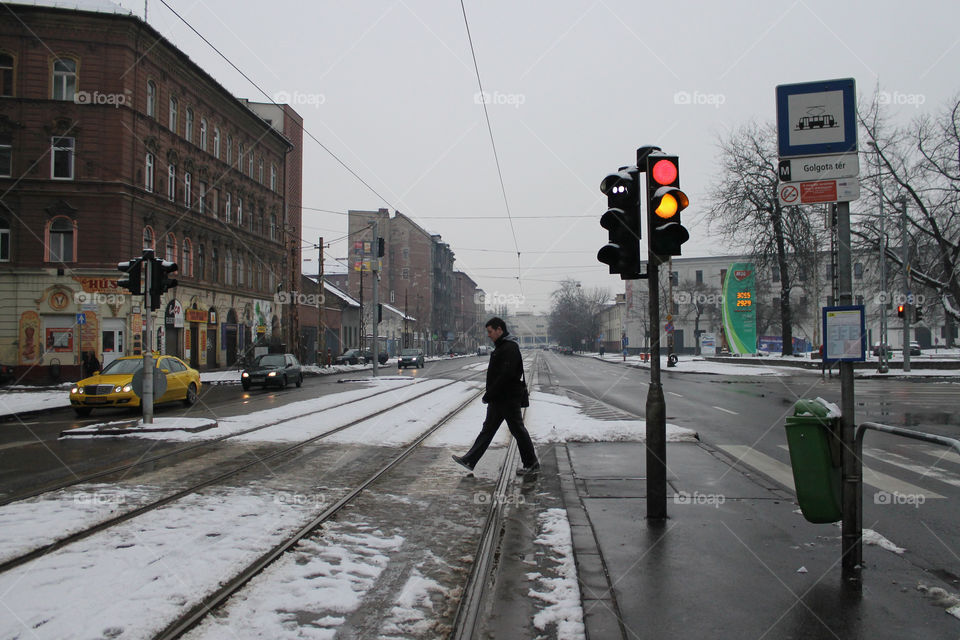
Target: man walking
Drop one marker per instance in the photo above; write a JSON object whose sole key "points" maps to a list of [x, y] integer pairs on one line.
{"points": [[503, 398]]}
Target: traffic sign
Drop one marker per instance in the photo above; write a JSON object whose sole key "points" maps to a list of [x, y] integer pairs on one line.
{"points": [[819, 191], [846, 165], [81, 318], [817, 118], [668, 327]]}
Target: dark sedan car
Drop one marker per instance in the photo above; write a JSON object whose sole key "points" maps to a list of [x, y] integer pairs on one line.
{"points": [[410, 358], [273, 369], [382, 356], [351, 356]]}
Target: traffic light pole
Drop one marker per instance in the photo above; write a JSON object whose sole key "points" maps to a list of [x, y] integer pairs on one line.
{"points": [[908, 302], [375, 276], [146, 399], [656, 407]]}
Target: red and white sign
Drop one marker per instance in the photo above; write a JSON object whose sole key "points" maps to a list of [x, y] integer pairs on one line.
{"points": [[819, 191]]}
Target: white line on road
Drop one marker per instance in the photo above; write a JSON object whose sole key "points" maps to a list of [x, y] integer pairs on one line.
{"points": [[943, 454], [674, 394], [765, 464], [733, 413], [906, 463]]}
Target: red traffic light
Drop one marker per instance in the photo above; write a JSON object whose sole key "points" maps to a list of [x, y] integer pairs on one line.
{"points": [[664, 172]]}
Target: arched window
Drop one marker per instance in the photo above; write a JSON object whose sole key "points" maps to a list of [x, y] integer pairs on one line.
{"points": [[61, 240], [216, 142], [239, 211], [240, 270], [186, 258], [188, 131], [203, 133], [260, 170], [228, 268], [4, 241], [170, 253], [250, 271], [273, 227], [148, 238], [229, 149], [174, 115], [228, 212], [151, 98], [201, 263], [240, 156], [64, 79], [214, 265], [260, 275], [273, 177]]}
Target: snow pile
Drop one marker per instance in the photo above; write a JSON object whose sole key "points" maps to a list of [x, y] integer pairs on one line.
{"points": [[19, 402], [407, 617], [833, 410], [309, 592], [871, 537], [561, 594]]}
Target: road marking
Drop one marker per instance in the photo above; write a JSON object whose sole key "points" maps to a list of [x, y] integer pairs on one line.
{"points": [[765, 464], [906, 463], [674, 394], [943, 454], [733, 413], [22, 443], [888, 483]]}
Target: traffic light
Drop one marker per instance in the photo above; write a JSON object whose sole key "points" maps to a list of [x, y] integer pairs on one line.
{"points": [[160, 281], [622, 222], [900, 309], [132, 270], [381, 247], [665, 202], [918, 313], [379, 312]]}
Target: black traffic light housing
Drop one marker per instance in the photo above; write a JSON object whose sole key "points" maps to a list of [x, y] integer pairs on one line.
{"points": [[918, 313], [622, 222], [133, 272], [160, 281], [665, 201], [381, 247], [900, 310]]}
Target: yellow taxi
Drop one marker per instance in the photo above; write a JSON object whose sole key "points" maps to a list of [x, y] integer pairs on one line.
{"points": [[113, 387]]}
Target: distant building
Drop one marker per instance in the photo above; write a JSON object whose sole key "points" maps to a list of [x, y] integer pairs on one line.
{"points": [[530, 329]]}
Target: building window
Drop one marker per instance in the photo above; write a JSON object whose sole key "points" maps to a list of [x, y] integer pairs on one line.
{"points": [[273, 227], [239, 270], [240, 156], [172, 183], [260, 170], [148, 238], [64, 79], [203, 133], [229, 149], [186, 258], [216, 142], [61, 158], [405, 273], [170, 254], [148, 173], [260, 276], [699, 276], [215, 265], [227, 212], [4, 241], [858, 271], [6, 157], [202, 197], [151, 98], [273, 177], [675, 278], [60, 240], [250, 165], [174, 114], [187, 188], [6, 75], [201, 263], [215, 202], [405, 252], [228, 268], [188, 125], [239, 211]]}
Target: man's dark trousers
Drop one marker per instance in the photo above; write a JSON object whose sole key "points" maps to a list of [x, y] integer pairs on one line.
{"points": [[497, 412]]}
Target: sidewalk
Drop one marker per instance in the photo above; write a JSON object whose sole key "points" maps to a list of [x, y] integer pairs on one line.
{"points": [[734, 560]]}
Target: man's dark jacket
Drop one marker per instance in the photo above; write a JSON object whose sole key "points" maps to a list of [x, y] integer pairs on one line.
{"points": [[504, 371]]}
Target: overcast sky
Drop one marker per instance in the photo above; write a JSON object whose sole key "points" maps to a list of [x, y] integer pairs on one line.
{"points": [[574, 88]]}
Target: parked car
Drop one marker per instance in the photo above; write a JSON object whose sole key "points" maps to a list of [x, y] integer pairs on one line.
{"points": [[113, 387], [877, 347], [273, 369], [382, 356], [410, 358], [351, 356], [915, 348]]}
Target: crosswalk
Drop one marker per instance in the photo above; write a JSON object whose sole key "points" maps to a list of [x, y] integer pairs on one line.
{"points": [[925, 466]]}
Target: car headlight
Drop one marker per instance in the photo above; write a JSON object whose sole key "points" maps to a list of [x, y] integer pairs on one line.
{"points": [[244, 375], [272, 374], [127, 388], [74, 390], [117, 389]]}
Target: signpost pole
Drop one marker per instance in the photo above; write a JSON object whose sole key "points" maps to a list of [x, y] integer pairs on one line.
{"points": [[147, 399], [656, 407], [908, 303]]}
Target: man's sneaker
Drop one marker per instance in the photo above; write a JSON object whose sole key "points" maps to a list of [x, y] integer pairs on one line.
{"points": [[461, 462], [522, 471]]}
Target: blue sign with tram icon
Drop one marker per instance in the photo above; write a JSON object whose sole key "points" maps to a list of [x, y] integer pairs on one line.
{"points": [[817, 118]]}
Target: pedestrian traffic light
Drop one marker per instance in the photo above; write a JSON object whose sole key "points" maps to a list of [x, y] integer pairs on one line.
{"points": [[900, 309], [665, 202], [918, 313], [132, 270], [622, 222], [160, 281]]}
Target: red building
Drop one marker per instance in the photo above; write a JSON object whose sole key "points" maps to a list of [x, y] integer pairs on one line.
{"points": [[111, 141]]}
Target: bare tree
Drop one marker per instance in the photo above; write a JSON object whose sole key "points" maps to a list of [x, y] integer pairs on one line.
{"points": [[919, 164], [574, 314], [744, 206]]}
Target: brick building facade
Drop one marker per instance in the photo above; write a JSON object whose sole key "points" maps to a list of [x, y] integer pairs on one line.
{"points": [[112, 140]]}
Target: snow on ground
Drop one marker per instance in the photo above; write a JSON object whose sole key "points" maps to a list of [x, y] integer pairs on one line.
{"points": [[307, 593], [561, 593], [871, 537], [696, 364], [159, 424], [12, 402], [408, 617], [132, 580]]}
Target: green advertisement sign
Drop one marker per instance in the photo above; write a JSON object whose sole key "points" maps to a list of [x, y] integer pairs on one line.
{"points": [[739, 308]]}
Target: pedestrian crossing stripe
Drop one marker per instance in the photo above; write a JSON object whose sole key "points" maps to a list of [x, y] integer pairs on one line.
{"points": [[942, 454], [783, 473], [906, 463]]}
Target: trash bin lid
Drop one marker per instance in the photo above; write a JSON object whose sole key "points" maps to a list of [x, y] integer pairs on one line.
{"points": [[815, 408]]}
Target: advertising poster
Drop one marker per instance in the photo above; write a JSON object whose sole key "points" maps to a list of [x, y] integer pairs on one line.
{"points": [[739, 308]]}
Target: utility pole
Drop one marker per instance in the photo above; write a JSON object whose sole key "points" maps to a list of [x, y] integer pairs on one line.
{"points": [[656, 406], [321, 330], [147, 399], [908, 304], [883, 367], [375, 274], [363, 325], [406, 314], [851, 466], [670, 362]]}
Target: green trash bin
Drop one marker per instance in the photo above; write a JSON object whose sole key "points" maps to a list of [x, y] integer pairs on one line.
{"points": [[814, 443]]}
